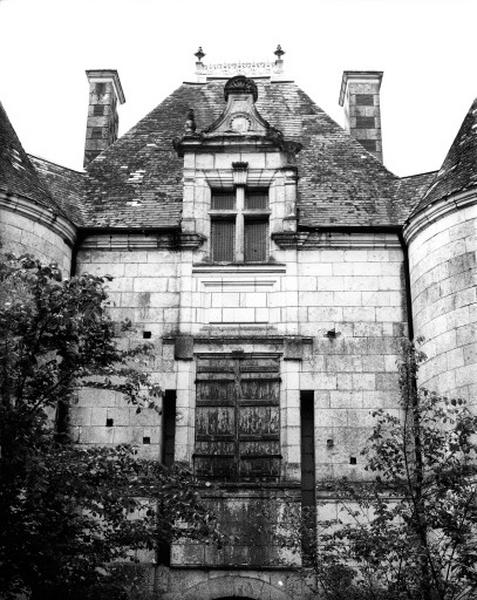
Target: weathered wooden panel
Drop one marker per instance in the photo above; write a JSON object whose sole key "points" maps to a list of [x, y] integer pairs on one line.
{"points": [[223, 240], [260, 390], [215, 420], [216, 467], [223, 391], [238, 418], [259, 469], [256, 241], [256, 420], [223, 200], [256, 199]]}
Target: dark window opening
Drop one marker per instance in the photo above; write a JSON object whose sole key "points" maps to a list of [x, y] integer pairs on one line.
{"points": [[369, 145], [98, 110], [96, 133], [364, 99], [168, 427], [100, 88], [308, 501], [256, 199], [237, 434], [163, 552], [352, 460], [223, 200], [243, 235], [365, 122], [223, 240], [256, 240], [109, 422], [146, 439], [61, 420], [146, 335]]}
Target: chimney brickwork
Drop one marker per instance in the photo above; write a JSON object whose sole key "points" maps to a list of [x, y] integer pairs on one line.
{"points": [[359, 95], [105, 92]]}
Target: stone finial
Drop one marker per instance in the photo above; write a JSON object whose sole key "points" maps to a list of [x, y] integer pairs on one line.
{"points": [[199, 54], [279, 52], [189, 126]]}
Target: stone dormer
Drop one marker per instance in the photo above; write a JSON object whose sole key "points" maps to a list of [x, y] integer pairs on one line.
{"points": [[239, 179]]}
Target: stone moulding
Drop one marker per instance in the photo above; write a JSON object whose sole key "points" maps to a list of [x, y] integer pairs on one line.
{"points": [[142, 240], [438, 210], [40, 214], [230, 586], [317, 239]]}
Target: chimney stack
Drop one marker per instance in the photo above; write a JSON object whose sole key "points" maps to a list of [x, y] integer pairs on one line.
{"points": [[102, 127], [359, 95]]}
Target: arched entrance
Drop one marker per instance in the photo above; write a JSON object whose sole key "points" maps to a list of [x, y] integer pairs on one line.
{"points": [[231, 588]]}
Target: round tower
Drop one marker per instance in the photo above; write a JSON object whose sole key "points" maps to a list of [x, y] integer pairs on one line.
{"points": [[441, 237], [31, 220]]}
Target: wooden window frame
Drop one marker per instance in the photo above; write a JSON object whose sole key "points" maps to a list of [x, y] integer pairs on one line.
{"points": [[239, 215]]}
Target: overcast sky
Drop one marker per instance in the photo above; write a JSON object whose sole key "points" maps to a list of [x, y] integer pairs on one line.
{"points": [[426, 48]]}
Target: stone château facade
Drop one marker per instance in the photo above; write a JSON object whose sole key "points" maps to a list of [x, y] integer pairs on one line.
{"points": [[276, 265]]}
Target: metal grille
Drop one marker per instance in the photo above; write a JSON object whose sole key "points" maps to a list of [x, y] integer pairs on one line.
{"points": [[223, 200], [256, 240], [223, 240], [238, 418], [256, 199]]}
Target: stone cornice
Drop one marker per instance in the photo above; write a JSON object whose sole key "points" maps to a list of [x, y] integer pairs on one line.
{"points": [[142, 240], [315, 240], [40, 214], [239, 269], [436, 211]]}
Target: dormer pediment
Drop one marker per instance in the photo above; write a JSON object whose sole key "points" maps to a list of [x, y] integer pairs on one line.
{"points": [[240, 127], [240, 115]]}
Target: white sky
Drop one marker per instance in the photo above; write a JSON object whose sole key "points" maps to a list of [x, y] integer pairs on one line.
{"points": [[426, 48]]}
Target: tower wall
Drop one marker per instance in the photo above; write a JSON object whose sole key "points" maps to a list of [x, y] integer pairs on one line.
{"points": [[26, 228], [442, 260]]}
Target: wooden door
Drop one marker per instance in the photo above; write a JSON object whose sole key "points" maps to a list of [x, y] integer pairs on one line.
{"points": [[238, 417]]}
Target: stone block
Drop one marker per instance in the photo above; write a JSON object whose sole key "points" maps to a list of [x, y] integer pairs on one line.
{"points": [[184, 347]]}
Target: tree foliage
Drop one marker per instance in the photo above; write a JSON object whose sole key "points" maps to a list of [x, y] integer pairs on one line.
{"points": [[409, 532], [69, 512]]}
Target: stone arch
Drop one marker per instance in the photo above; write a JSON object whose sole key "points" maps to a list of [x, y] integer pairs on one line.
{"points": [[232, 587]]}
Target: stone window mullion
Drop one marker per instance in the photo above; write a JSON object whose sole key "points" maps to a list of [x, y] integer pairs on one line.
{"points": [[239, 223]]}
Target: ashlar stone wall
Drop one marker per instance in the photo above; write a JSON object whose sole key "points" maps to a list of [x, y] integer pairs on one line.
{"points": [[21, 233], [443, 271]]}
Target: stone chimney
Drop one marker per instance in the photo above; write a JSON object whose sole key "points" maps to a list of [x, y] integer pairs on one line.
{"points": [[102, 127], [359, 95]]}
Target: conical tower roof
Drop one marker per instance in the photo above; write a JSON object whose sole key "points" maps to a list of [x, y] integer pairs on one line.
{"points": [[17, 174], [459, 169]]}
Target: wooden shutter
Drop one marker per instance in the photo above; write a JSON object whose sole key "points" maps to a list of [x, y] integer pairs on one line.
{"points": [[256, 240], [223, 200], [238, 418], [223, 240], [256, 199]]}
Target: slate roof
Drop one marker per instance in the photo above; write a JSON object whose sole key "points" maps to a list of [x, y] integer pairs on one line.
{"points": [[410, 190], [137, 182], [17, 174], [459, 169], [65, 185]]}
